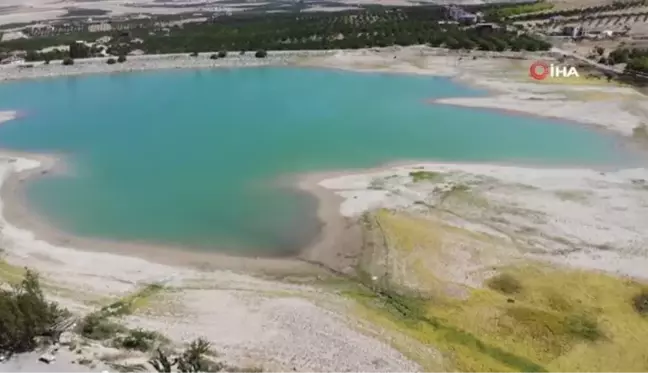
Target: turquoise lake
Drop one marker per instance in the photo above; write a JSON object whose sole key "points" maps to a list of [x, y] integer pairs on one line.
{"points": [[191, 157]]}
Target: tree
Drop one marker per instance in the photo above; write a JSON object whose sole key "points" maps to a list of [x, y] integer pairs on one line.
{"points": [[260, 54], [213, 56], [599, 50], [222, 54], [25, 315], [162, 363], [79, 50], [111, 61], [619, 56], [192, 360], [68, 61], [121, 58]]}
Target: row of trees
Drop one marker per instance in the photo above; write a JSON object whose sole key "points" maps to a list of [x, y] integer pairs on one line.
{"points": [[373, 27], [636, 60], [509, 11], [583, 12]]}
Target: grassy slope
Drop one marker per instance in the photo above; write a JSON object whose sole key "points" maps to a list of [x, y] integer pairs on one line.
{"points": [[560, 320]]}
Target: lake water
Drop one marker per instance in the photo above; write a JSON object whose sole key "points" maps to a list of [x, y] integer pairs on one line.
{"points": [[191, 157]]}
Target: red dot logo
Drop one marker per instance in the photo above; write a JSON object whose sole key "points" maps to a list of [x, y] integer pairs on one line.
{"points": [[539, 70]]}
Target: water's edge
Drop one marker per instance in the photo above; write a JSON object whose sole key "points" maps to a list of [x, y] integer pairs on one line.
{"points": [[334, 229]]}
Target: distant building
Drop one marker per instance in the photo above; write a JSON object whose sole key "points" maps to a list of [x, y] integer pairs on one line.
{"points": [[100, 27], [485, 28], [458, 14], [13, 36], [13, 60], [573, 31], [103, 40]]}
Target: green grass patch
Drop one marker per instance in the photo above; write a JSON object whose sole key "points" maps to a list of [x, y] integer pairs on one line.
{"points": [[10, 273], [640, 302], [420, 176], [140, 340], [98, 327], [128, 304], [412, 317], [504, 283], [530, 317], [509, 11]]}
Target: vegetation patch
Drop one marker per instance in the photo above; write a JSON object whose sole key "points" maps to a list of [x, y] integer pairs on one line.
{"points": [[640, 133], [25, 315], [10, 273], [529, 317], [377, 183], [583, 326], [258, 33], [96, 326], [413, 318], [572, 195], [516, 10], [548, 331], [130, 303], [419, 176], [505, 284], [640, 302], [140, 340], [99, 326]]}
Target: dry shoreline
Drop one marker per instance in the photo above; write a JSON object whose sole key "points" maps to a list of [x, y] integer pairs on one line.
{"points": [[336, 232], [575, 217], [16, 211]]}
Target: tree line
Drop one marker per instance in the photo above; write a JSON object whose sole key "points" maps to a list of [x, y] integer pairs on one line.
{"points": [[582, 12], [354, 29], [636, 59]]}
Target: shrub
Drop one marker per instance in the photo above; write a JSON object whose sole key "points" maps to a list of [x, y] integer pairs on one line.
{"points": [[213, 56], [111, 61], [242, 52], [68, 61], [640, 302], [418, 176], [138, 339], [583, 326], [25, 315], [504, 283], [261, 54], [96, 326], [121, 58], [222, 54], [192, 359]]}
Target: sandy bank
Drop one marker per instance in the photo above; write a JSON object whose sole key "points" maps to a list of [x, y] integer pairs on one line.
{"points": [[279, 325], [590, 101], [37, 234], [6, 116], [151, 62], [579, 217]]}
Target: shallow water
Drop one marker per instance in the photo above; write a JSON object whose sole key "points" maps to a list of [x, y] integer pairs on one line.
{"points": [[190, 157]]}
